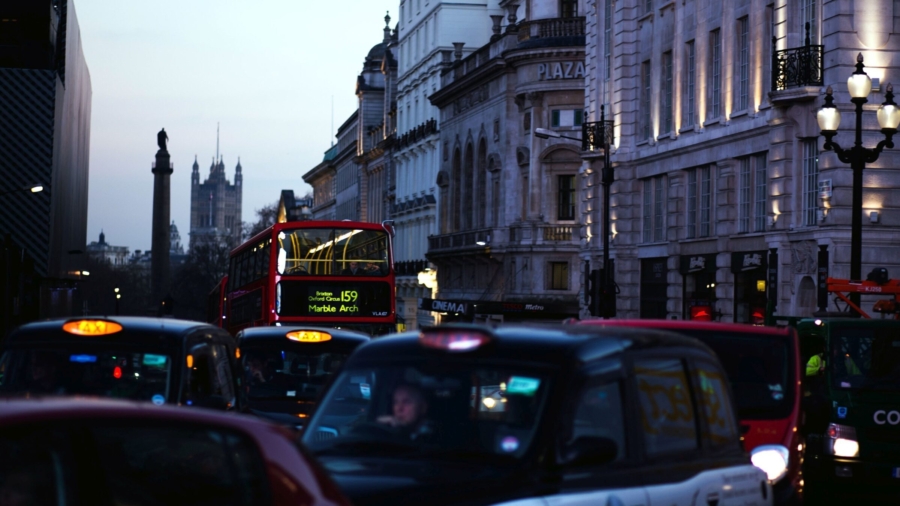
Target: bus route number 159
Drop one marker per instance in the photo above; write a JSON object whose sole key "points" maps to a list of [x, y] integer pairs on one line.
{"points": [[349, 295]]}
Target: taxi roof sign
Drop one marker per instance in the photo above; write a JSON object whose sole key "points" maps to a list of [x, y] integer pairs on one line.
{"points": [[453, 340], [308, 336], [91, 327]]}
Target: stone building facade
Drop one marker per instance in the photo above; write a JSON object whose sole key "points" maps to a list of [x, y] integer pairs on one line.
{"points": [[723, 195], [508, 247], [216, 204], [100, 250], [426, 40]]}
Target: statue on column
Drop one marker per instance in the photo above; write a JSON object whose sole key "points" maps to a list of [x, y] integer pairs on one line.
{"points": [[161, 139]]}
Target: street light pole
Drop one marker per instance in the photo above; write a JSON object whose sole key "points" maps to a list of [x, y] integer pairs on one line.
{"points": [[607, 176], [829, 118]]}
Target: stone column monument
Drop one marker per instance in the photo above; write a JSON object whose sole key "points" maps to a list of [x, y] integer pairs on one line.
{"points": [[159, 263]]}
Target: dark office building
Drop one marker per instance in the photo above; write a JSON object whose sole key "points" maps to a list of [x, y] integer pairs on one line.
{"points": [[45, 117]]}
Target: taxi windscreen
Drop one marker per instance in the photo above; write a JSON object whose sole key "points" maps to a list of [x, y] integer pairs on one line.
{"points": [[80, 370], [758, 368], [442, 410], [278, 373]]}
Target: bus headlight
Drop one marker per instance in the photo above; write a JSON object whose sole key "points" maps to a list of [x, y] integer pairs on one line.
{"points": [[841, 441], [772, 459]]}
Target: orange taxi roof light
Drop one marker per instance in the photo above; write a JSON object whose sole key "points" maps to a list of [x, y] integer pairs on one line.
{"points": [[308, 336], [92, 327]]}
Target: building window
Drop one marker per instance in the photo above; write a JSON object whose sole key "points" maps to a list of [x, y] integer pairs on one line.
{"points": [[653, 215], [742, 77], [666, 96], [566, 118], [752, 191], [648, 6], [607, 37], [744, 196], [526, 122], [559, 275], [810, 181], [645, 100], [568, 8], [699, 202], [566, 198], [762, 192], [689, 86], [715, 70], [809, 14]]}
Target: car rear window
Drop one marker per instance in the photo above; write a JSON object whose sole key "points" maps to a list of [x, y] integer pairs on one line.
{"points": [[149, 465], [87, 370], [758, 368]]}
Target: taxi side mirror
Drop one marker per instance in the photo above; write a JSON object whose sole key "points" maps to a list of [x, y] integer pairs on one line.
{"points": [[589, 451]]}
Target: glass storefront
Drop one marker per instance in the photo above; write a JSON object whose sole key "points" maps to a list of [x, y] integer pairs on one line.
{"points": [[654, 287], [699, 287], [750, 273]]}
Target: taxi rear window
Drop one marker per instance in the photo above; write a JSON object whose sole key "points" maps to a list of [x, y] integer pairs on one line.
{"points": [[87, 370]]}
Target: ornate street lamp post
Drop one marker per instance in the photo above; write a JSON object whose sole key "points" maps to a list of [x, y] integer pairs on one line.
{"points": [[599, 135], [829, 118]]}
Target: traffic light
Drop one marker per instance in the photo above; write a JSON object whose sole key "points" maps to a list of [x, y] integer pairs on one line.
{"points": [[594, 290]]}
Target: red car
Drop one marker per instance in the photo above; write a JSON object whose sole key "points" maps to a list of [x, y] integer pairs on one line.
{"points": [[763, 368], [78, 451]]}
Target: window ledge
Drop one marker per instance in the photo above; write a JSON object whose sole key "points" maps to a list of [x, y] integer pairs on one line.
{"points": [[668, 135], [713, 121], [738, 114], [654, 243]]}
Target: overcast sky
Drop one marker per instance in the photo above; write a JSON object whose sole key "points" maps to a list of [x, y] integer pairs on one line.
{"points": [[266, 70]]}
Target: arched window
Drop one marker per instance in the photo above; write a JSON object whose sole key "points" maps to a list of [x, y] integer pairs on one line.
{"points": [[468, 183], [481, 187], [456, 192]]}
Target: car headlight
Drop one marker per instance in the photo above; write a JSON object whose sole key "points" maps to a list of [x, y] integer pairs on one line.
{"points": [[841, 441], [772, 459]]}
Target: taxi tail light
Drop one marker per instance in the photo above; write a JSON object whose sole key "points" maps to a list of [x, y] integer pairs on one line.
{"points": [[117, 372], [453, 340], [842, 441]]}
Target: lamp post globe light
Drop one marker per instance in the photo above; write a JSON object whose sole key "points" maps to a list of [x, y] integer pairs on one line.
{"points": [[829, 118]]}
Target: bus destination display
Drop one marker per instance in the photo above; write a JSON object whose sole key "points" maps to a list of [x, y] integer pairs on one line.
{"points": [[341, 299]]}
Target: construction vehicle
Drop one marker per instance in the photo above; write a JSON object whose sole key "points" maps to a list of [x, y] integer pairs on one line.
{"points": [[877, 282]]}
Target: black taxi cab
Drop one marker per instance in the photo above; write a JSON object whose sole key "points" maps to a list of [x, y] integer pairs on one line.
{"points": [[285, 369], [464, 414], [159, 360]]}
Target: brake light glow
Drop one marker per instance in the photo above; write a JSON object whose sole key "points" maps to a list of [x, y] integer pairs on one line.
{"points": [[308, 336], [91, 327], [453, 340], [117, 372]]}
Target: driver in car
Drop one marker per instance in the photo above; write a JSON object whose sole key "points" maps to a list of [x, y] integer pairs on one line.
{"points": [[408, 412]]}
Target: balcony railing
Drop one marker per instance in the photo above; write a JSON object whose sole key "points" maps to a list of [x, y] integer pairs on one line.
{"points": [[597, 135], [528, 233], [469, 238], [799, 66], [520, 234], [547, 28]]}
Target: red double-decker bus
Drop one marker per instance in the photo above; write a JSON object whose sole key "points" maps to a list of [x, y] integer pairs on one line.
{"points": [[215, 307], [325, 273]]}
